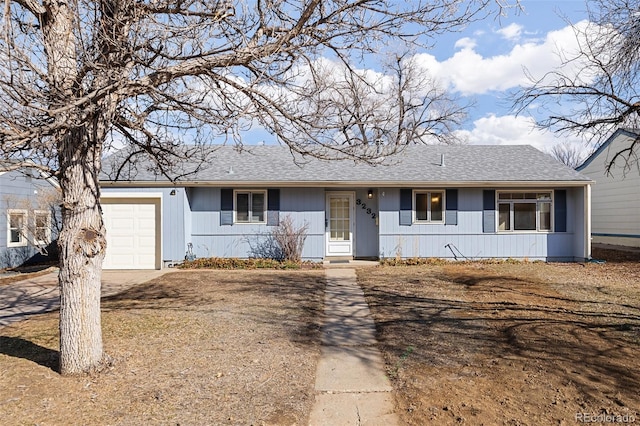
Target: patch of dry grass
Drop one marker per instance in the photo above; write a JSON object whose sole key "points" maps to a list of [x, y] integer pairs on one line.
{"points": [[201, 347], [509, 343]]}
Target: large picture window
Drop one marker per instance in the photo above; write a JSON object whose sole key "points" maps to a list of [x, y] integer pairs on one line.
{"points": [[428, 206], [524, 211], [250, 206]]}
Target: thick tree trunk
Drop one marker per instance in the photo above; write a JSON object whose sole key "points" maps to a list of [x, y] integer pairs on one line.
{"points": [[82, 240], [82, 245]]}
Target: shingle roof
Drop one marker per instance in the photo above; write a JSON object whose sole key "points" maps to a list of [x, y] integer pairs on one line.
{"points": [[273, 164]]}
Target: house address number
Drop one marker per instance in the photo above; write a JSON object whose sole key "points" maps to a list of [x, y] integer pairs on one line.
{"points": [[365, 208]]}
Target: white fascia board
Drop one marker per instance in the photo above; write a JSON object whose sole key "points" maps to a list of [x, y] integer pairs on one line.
{"points": [[377, 184], [131, 195]]}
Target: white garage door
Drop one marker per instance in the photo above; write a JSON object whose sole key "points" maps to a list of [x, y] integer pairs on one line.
{"points": [[131, 234]]}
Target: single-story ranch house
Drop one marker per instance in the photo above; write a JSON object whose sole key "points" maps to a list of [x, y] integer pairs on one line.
{"points": [[616, 194], [429, 201]]}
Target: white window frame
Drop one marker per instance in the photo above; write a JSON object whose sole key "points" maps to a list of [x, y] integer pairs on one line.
{"points": [[47, 227], [428, 192], [522, 201], [250, 192], [23, 236]]}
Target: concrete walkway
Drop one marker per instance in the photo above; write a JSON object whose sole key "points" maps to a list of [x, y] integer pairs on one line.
{"points": [[37, 295], [351, 385]]}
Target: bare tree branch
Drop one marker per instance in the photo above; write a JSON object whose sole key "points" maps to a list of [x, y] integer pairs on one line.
{"points": [[595, 91], [154, 83], [569, 154]]}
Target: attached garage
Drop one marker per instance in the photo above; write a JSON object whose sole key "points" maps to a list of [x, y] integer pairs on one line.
{"points": [[133, 224]]}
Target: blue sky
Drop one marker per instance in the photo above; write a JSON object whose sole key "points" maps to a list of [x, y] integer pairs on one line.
{"points": [[486, 60]]}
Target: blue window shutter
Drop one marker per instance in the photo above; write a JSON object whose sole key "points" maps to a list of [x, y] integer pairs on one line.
{"points": [[451, 212], [226, 206], [406, 206], [273, 207], [560, 210], [488, 211]]}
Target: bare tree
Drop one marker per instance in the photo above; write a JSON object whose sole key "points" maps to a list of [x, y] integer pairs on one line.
{"points": [[597, 88], [568, 154], [164, 78]]}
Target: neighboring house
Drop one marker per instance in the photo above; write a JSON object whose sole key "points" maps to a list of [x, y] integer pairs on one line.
{"points": [[28, 205], [430, 201], [616, 194]]}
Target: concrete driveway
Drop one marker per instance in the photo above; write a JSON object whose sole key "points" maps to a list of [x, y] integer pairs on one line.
{"points": [[37, 295]]}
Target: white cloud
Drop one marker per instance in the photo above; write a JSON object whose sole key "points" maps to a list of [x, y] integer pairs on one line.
{"points": [[511, 31], [469, 73], [513, 130], [465, 43]]}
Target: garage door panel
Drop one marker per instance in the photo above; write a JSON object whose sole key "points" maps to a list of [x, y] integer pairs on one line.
{"points": [[132, 234], [147, 225], [123, 262], [120, 208], [122, 224], [148, 259], [121, 240], [146, 242]]}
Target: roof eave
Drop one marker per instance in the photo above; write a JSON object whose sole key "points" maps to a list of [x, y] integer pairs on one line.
{"points": [[377, 184], [619, 132]]}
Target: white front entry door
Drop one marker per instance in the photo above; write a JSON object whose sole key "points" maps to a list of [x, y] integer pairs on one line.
{"points": [[340, 211]]}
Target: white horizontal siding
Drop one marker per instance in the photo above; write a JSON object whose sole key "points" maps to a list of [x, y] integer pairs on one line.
{"points": [[615, 206]]}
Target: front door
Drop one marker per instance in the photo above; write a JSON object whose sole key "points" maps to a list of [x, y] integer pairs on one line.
{"points": [[340, 223]]}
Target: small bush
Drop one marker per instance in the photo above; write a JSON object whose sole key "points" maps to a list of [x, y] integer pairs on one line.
{"points": [[290, 239]]}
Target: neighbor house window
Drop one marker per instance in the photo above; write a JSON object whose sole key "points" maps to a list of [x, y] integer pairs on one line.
{"points": [[16, 228], [42, 229], [524, 211], [428, 206], [250, 206]]}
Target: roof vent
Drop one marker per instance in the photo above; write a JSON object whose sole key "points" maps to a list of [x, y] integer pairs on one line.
{"points": [[231, 170], [441, 160]]}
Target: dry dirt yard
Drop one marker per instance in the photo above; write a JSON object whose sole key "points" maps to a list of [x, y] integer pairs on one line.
{"points": [[511, 343], [473, 343], [189, 348]]}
